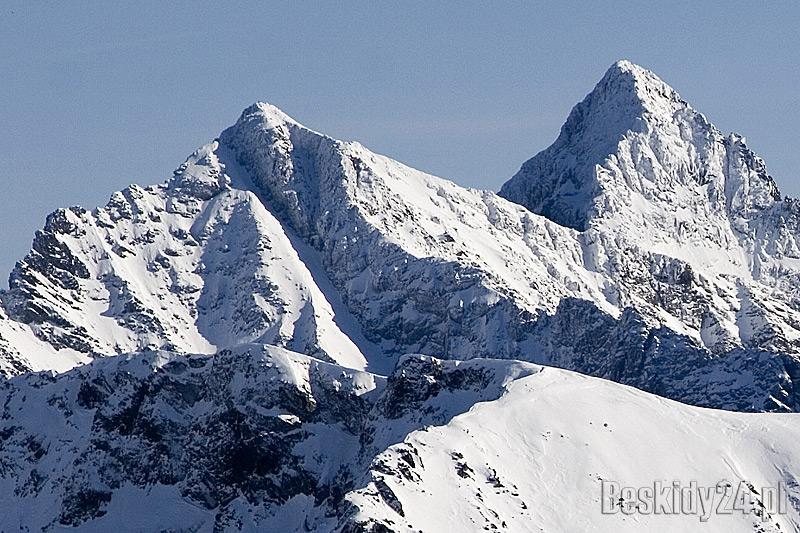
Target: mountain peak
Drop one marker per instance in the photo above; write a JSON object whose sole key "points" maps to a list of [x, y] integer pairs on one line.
{"points": [[631, 70], [634, 146], [629, 90], [269, 114]]}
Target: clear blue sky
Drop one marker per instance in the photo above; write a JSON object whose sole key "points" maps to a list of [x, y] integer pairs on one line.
{"points": [[94, 96]]}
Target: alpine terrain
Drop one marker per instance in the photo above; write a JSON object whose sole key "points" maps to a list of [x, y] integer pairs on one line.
{"points": [[293, 333]]}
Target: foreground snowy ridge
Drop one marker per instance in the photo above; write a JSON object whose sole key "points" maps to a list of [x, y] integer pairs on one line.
{"points": [[261, 439]]}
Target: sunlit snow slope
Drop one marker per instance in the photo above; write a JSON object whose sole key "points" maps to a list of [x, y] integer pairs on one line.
{"points": [[534, 460]]}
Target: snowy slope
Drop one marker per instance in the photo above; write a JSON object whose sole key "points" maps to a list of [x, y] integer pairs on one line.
{"points": [[255, 437], [261, 439], [534, 460], [22, 351]]}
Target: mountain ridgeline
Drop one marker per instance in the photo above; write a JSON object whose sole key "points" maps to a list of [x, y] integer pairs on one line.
{"points": [[293, 333], [651, 250]]}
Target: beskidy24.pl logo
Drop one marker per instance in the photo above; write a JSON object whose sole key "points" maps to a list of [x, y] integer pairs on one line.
{"points": [[677, 498]]}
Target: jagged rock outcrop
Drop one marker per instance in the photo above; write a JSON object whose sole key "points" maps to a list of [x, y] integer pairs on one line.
{"points": [[243, 437]]}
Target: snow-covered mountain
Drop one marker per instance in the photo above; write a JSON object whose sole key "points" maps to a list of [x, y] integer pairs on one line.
{"points": [[246, 326], [661, 256], [192, 265]]}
